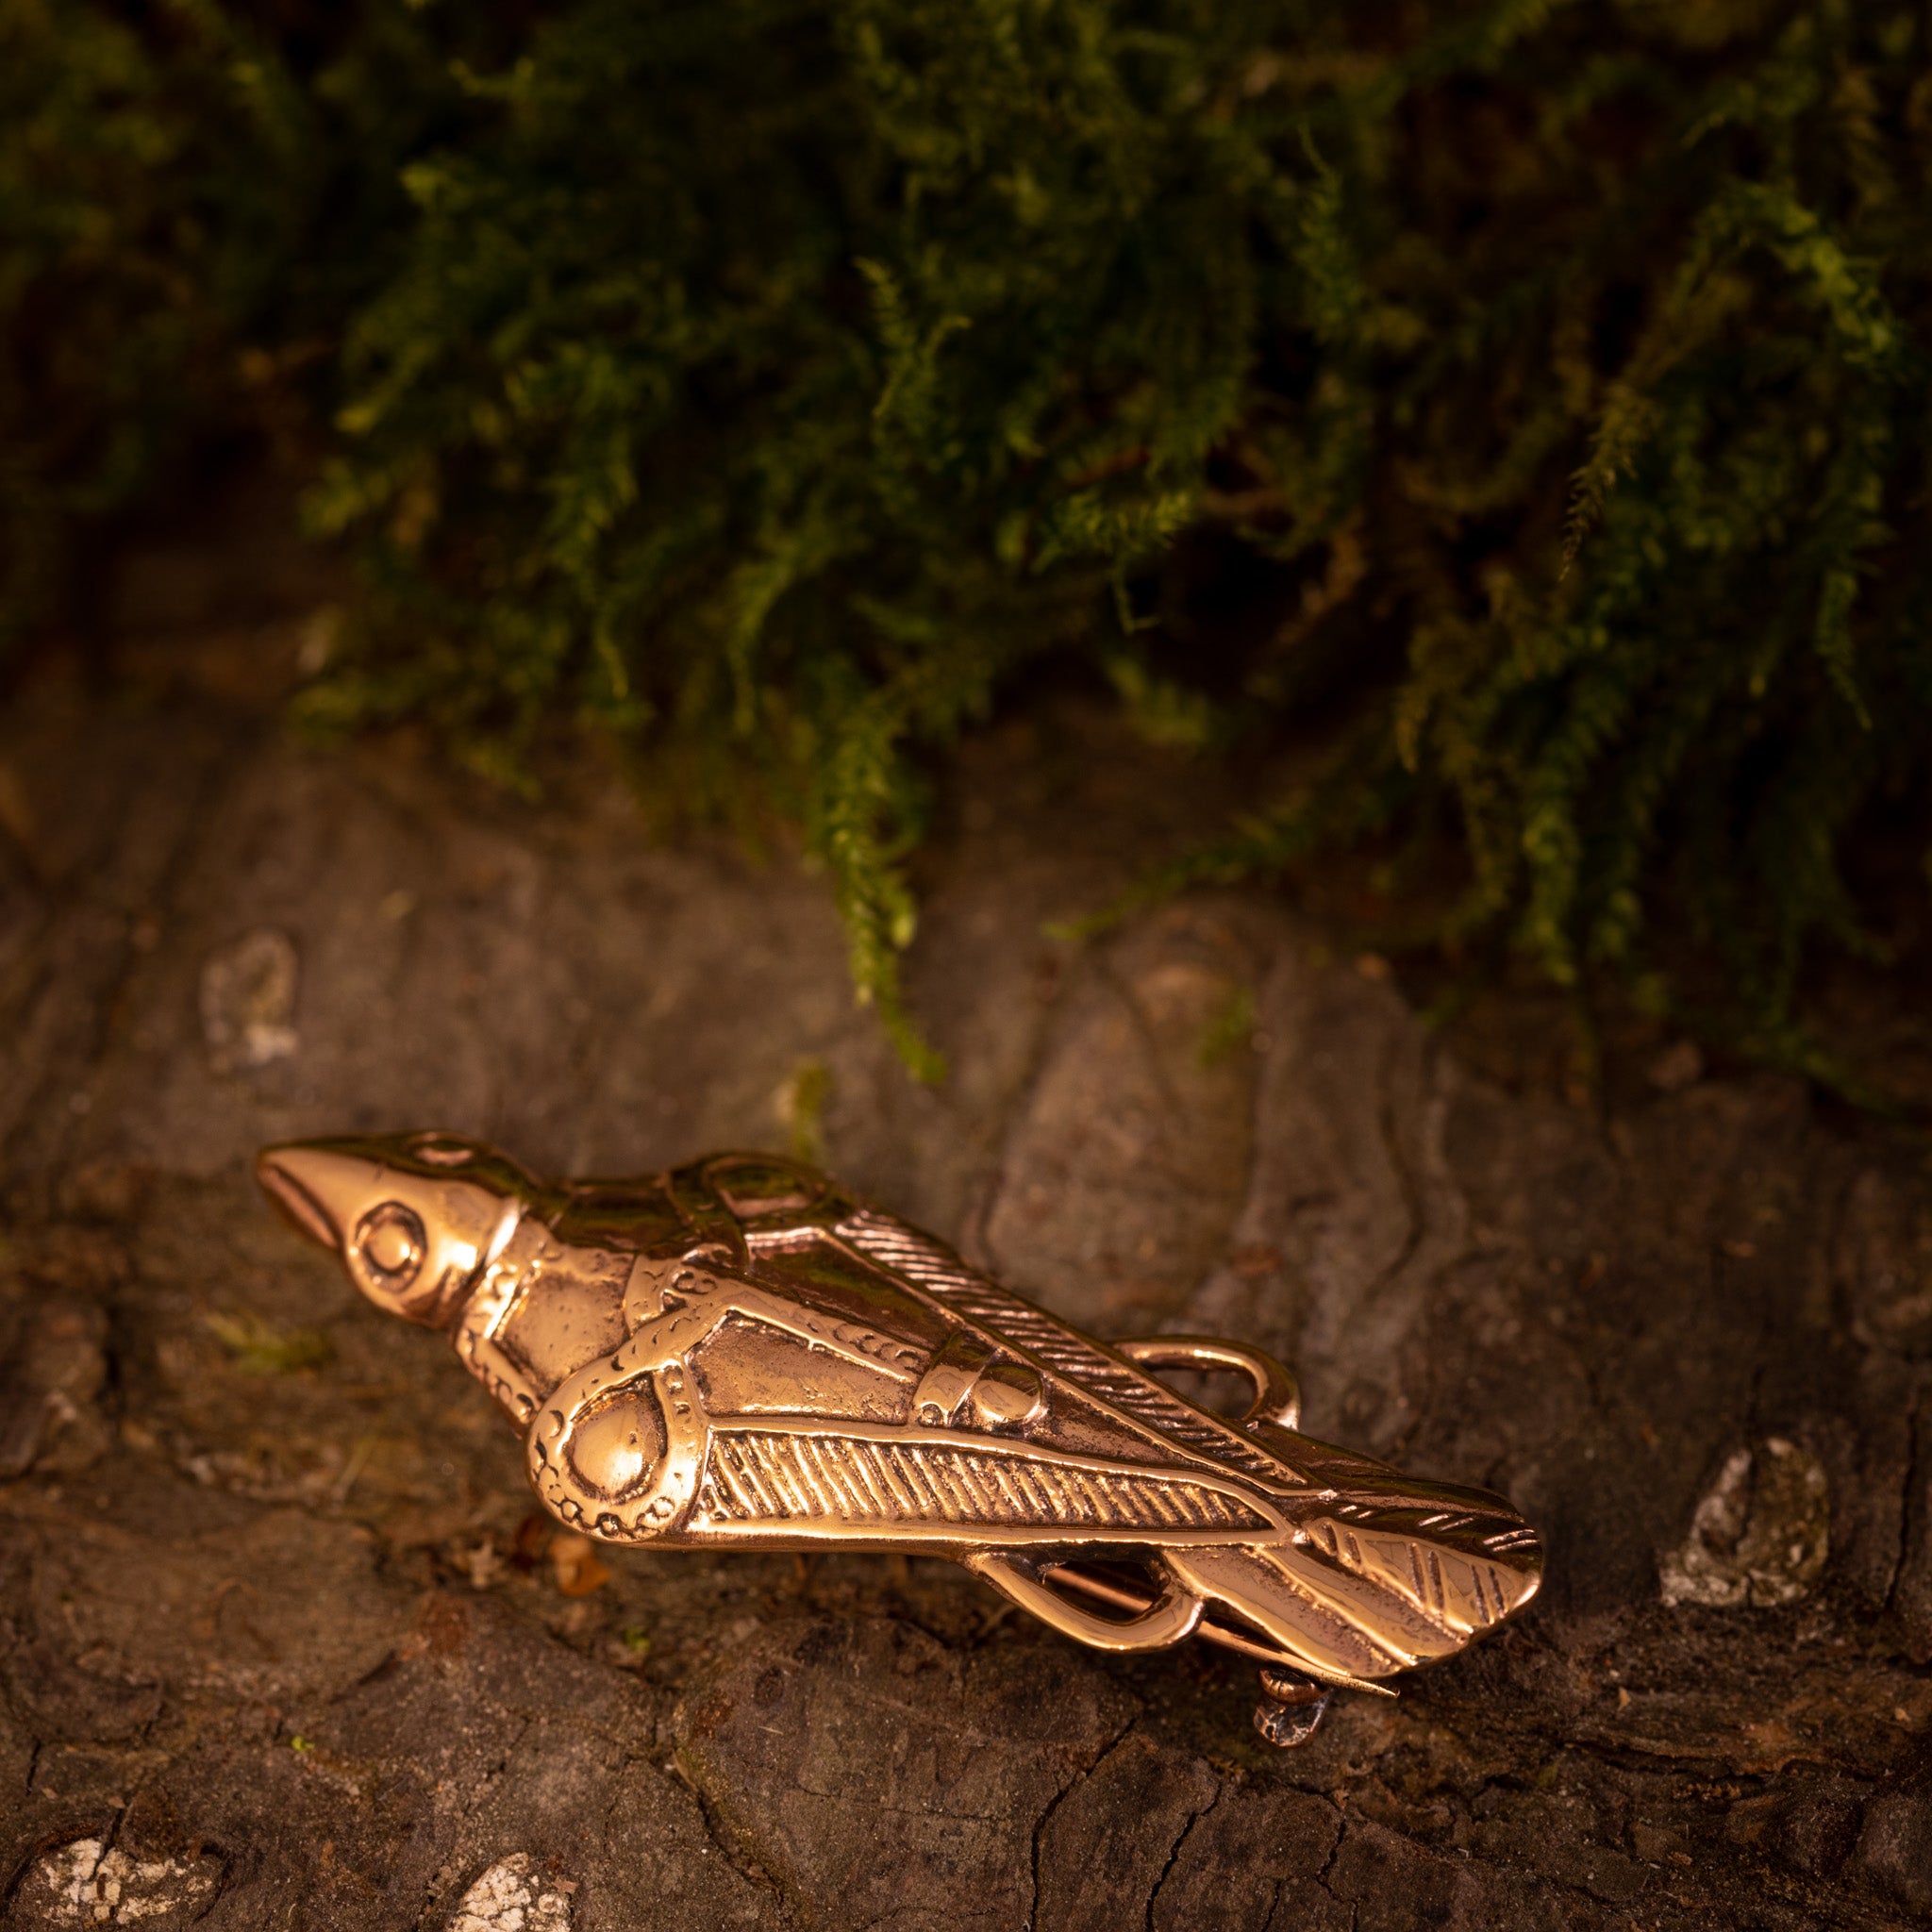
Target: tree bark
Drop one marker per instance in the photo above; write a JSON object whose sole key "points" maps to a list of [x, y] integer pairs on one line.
{"points": [[286, 1647]]}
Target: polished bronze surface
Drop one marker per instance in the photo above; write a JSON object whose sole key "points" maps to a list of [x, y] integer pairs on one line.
{"points": [[740, 1355]]}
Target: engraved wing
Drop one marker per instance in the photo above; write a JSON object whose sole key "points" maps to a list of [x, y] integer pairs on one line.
{"points": [[1135, 1395], [1371, 1572], [842, 1376], [916, 1481]]}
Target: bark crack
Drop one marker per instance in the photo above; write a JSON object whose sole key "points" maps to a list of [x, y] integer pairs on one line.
{"points": [[1174, 1852], [755, 1872], [1915, 1451], [450, 1871], [1407, 1183], [1322, 1875], [1079, 1777]]}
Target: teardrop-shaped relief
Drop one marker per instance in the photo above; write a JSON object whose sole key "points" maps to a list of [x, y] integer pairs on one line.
{"points": [[618, 1443]]}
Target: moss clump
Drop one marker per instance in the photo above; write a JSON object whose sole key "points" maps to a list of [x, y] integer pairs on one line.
{"points": [[261, 1348], [772, 381]]}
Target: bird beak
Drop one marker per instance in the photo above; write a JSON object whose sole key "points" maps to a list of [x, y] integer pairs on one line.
{"points": [[320, 1189]]}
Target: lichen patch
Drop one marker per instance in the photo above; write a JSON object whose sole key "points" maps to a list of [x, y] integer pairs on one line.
{"points": [[511, 1897], [1761, 1532]]}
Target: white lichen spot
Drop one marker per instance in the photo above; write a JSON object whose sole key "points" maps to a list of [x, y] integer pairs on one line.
{"points": [[511, 1897], [484, 1563], [1759, 1535], [86, 1883], [248, 1001]]}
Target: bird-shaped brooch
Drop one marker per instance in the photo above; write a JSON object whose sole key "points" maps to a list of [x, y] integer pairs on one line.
{"points": [[741, 1354]]}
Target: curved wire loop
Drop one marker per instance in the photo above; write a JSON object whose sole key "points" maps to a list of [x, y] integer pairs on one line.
{"points": [[1277, 1397], [1167, 1620]]}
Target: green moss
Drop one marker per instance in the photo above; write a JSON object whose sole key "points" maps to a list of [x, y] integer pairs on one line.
{"points": [[263, 1349], [1231, 1030], [775, 383], [802, 1106]]}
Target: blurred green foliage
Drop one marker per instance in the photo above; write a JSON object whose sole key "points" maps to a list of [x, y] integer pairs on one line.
{"points": [[192, 202], [1540, 389]]}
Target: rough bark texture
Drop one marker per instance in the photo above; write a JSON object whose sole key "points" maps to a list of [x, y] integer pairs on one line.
{"points": [[282, 1647]]}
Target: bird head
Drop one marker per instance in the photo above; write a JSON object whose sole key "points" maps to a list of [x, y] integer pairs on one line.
{"points": [[415, 1218]]}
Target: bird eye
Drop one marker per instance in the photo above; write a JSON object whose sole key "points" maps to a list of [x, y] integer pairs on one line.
{"points": [[390, 1243], [440, 1152]]}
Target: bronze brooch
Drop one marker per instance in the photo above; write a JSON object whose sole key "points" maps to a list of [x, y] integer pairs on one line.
{"points": [[740, 1355]]}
